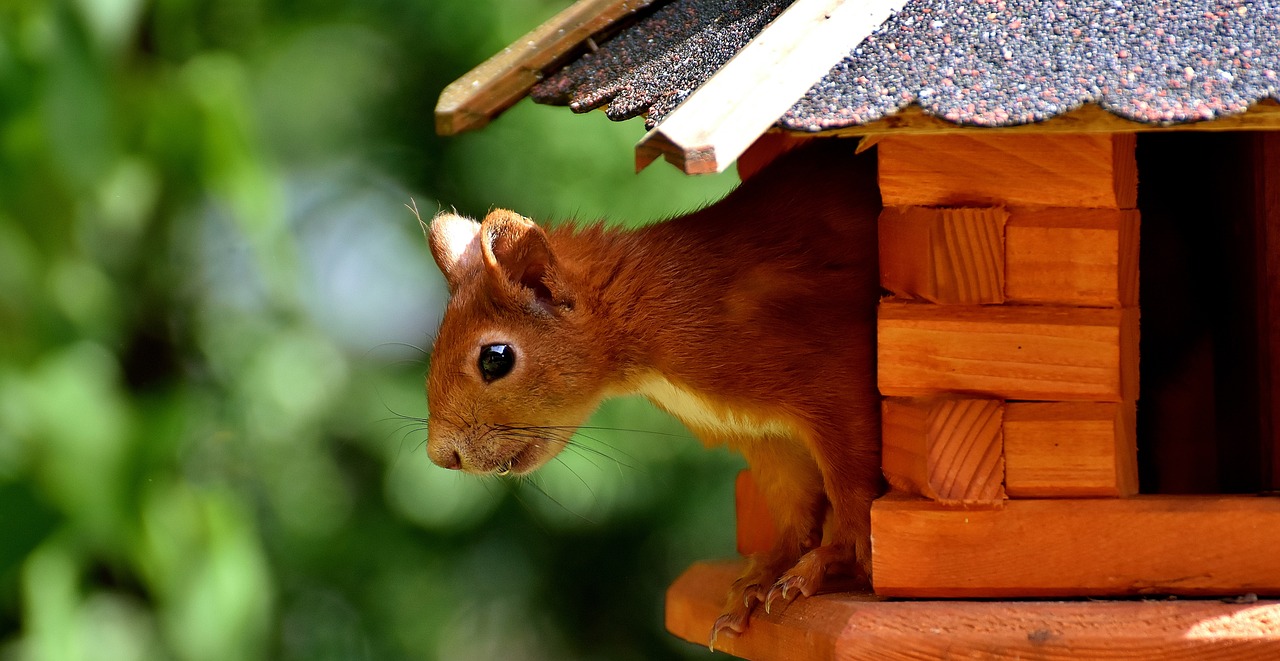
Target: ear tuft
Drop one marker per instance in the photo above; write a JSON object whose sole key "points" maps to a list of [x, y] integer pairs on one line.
{"points": [[518, 252], [455, 244]]}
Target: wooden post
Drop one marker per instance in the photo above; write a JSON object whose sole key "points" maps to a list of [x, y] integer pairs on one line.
{"points": [[756, 530], [1267, 218], [946, 449]]}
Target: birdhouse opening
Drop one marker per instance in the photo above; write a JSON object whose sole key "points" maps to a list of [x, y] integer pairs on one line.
{"points": [[1207, 296]]}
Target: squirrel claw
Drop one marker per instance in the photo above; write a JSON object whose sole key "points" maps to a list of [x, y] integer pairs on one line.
{"points": [[730, 624], [785, 591]]}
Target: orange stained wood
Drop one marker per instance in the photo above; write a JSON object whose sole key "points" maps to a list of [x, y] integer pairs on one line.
{"points": [[849, 626], [1069, 256], [496, 84], [1188, 545], [1070, 449], [1008, 352], [944, 255], [766, 148], [971, 169], [756, 531], [947, 449]]}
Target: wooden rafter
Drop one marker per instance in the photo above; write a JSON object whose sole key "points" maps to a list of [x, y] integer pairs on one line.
{"points": [[748, 95], [471, 101]]}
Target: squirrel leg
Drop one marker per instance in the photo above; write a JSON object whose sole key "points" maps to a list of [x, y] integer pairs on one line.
{"points": [[852, 480], [791, 486]]}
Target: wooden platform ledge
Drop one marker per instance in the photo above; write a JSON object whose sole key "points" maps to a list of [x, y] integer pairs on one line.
{"points": [[844, 626]]}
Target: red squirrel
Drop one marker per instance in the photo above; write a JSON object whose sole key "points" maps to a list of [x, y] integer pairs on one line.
{"points": [[751, 320]]}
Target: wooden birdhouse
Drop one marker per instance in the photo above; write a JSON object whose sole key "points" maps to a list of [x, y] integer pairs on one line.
{"points": [[1079, 345]]}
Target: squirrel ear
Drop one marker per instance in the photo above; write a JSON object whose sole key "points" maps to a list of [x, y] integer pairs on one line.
{"points": [[455, 244], [518, 252]]}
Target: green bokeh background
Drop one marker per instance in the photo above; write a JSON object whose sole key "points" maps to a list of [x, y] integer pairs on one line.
{"points": [[209, 285]]}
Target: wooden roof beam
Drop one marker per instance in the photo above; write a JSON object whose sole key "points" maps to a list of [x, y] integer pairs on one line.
{"points": [[471, 101], [748, 95]]}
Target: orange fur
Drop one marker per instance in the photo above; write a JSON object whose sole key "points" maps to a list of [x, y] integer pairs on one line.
{"points": [[753, 320]]}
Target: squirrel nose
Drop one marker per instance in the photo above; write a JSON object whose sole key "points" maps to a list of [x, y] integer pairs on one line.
{"points": [[445, 458]]}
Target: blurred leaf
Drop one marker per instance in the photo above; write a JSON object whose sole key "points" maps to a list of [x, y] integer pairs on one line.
{"points": [[27, 521], [51, 602], [79, 426], [78, 110], [201, 556], [209, 287], [111, 21], [440, 500]]}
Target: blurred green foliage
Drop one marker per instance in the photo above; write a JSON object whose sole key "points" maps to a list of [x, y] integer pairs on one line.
{"points": [[208, 288]]}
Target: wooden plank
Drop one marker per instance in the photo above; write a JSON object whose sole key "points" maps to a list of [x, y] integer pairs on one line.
{"points": [[981, 169], [1071, 256], [944, 255], [1186, 545], [1088, 118], [1040, 353], [847, 626], [766, 148], [1070, 449], [756, 532], [805, 629], [495, 85], [1267, 192], [748, 95], [945, 448]]}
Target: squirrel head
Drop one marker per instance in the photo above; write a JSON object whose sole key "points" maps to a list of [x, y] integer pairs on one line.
{"points": [[514, 370]]}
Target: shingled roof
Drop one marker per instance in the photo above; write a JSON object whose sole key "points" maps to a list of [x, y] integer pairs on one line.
{"points": [[980, 62]]}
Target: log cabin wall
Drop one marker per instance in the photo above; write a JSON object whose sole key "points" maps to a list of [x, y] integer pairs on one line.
{"points": [[1012, 261], [1008, 358]]}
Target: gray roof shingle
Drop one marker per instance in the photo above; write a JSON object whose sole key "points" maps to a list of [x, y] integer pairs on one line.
{"points": [[978, 62]]}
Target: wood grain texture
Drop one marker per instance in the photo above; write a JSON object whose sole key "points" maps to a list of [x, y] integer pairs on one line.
{"points": [[1187, 545], [1070, 449], [947, 449], [495, 85], [1267, 214], [742, 100], [756, 531], [1066, 256], [944, 255], [849, 626], [806, 629], [1088, 118], [1040, 353], [970, 169]]}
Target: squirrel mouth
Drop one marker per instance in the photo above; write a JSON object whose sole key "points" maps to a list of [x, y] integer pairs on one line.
{"points": [[520, 463]]}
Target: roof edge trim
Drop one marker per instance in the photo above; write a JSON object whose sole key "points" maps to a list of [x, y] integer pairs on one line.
{"points": [[757, 86], [471, 101]]}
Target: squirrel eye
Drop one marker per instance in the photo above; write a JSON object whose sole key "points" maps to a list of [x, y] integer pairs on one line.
{"points": [[496, 360]]}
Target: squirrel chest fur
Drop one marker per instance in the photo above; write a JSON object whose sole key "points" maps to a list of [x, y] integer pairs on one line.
{"points": [[751, 320]]}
